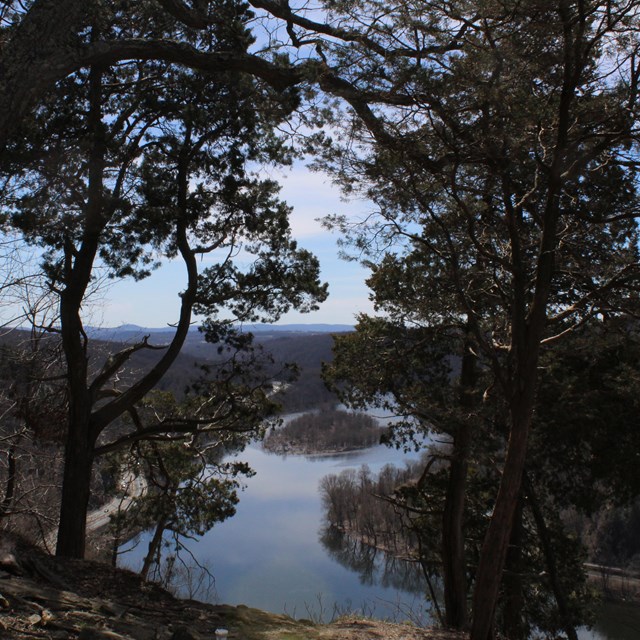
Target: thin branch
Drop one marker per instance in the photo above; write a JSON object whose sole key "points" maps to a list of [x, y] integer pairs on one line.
{"points": [[283, 11], [188, 16]]}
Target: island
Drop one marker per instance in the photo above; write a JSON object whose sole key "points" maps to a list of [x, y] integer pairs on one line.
{"points": [[325, 431]]}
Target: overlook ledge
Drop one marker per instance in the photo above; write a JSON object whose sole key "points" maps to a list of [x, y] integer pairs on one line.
{"points": [[55, 598]]}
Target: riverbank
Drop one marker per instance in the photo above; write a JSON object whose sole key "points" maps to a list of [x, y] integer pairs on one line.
{"points": [[53, 598], [616, 585], [130, 487], [312, 452]]}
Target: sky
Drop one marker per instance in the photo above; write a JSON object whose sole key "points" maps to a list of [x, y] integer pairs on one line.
{"points": [[154, 301]]}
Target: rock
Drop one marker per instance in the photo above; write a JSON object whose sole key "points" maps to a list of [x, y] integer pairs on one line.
{"points": [[182, 633], [34, 619], [46, 616], [96, 634], [9, 563], [112, 609]]}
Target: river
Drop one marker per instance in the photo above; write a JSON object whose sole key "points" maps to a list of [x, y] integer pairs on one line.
{"points": [[274, 555]]}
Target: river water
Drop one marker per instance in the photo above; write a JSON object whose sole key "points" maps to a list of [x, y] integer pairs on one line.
{"points": [[275, 555]]}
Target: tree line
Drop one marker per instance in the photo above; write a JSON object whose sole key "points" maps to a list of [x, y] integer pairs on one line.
{"points": [[355, 503], [580, 461], [383, 511], [497, 144], [324, 430]]}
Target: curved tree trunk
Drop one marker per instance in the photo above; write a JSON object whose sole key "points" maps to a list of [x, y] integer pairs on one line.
{"points": [[81, 436], [86, 421], [153, 550]]}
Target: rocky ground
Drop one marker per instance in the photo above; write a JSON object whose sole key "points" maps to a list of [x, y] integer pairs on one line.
{"points": [[46, 597]]}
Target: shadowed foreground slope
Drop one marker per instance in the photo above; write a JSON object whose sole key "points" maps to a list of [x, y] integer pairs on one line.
{"points": [[47, 597]]}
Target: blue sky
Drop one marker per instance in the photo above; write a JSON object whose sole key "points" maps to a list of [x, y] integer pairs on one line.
{"points": [[154, 302]]}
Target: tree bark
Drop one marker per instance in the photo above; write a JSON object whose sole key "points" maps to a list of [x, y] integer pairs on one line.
{"points": [[10, 485], [453, 557], [78, 459], [81, 434], [513, 624], [550, 559], [453, 548], [154, 547], [76, 489], [496, 543]]}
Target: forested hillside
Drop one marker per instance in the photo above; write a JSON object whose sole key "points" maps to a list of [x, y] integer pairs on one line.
{"points": [[307, 350], [325, 431], [34, 405]]}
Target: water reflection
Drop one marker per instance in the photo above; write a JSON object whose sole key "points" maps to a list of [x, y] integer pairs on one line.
{"points": [[269, 555], [615, 621], [276, 554], [373, 567]]}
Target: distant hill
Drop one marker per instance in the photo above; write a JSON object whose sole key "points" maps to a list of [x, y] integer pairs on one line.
{"points": [[127, 332], [305, 345]]}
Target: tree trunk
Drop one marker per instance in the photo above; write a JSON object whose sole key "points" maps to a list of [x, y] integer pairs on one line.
{"points": [[117, 539], [521, 387], [81, 433], [496, 543], [76, 489], [86, 422], [154, 548], [513, 624], [79, 444], [80, 440], [550, 559], [453, 555], [10, 486]]}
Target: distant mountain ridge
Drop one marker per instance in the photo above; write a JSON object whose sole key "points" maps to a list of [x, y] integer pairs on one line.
{"points": [[307, 345], [128, 331]]}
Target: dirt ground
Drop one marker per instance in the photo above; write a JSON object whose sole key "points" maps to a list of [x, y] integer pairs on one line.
{"points": [[46, 597]]}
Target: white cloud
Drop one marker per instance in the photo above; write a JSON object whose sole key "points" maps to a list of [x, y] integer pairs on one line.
{"points": [[312, 196]]}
